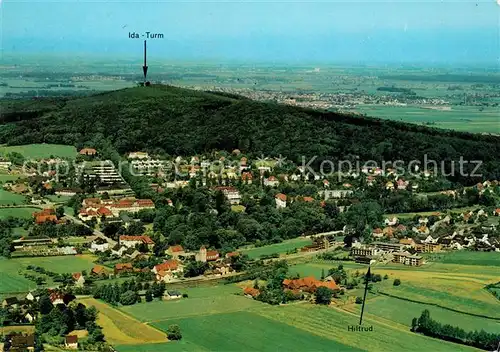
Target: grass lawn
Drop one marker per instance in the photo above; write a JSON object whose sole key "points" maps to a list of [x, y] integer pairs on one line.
{"points": [[466, 258], [256, 252], [187, 307], [10, 280], [24, 213], [58, 199], [403, 312], [8, 198], [119, 328], [245, 331], [41, 151], [60, 264]]}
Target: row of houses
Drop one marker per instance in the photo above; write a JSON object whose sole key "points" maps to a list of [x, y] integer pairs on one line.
{"points": [[109, 208]]}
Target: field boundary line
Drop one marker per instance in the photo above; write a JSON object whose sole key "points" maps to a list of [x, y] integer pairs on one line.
{"points": [[439, 306]]}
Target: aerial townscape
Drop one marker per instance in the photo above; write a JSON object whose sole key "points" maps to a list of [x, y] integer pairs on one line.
{"points": [[150, 205]]}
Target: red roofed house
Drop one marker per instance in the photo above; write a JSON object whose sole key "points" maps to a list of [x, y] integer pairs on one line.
{"points": [[176, 251], [271, 181], [168, 270], [308, 199], [308, 284], [280, 200], [46, 215], [496, 212], [79, 279], [207, 256], [99, 270], [88, 151], [123, 268], [102, 211], [251, 292], [60, 298], [232, 254], [132, 241]]}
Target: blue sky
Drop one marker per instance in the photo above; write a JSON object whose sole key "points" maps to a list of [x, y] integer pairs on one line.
{"points": [[327, 31]]}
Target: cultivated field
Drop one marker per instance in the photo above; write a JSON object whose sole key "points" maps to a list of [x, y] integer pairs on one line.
{"points": [[246, 331], [468, 119], [256, 252], [41, 151], [467, 258], [402, 312], [120, 328]]}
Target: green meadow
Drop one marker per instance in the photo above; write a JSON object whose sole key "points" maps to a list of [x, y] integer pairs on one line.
{"points": [[9, 198], [41, 151], [25, 213], [10, 280], [58, 264], [468, 119], [280, 248]]}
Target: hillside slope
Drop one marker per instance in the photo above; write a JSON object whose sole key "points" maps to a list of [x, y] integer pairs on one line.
{"points": [[181, 121]]}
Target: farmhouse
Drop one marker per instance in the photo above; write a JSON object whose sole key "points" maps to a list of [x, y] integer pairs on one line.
{"points": [[57, 297], [251, 292], [168, 270], [99, 270], [308, 284], [46, 215], [132, 241]]}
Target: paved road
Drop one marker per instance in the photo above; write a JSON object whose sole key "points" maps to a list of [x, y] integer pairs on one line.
{"points": [[96, 232]]}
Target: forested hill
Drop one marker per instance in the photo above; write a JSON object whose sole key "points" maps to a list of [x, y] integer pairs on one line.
{"points": [[181, 121]]}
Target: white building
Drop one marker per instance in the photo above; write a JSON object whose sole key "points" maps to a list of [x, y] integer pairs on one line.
{"points": [[280, 201]]}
